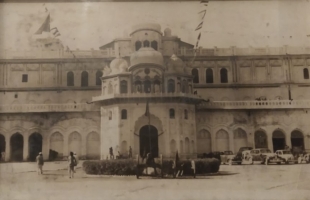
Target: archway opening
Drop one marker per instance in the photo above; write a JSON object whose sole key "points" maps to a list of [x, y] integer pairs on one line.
{"points": [[148, 140], [260, 138], [240, 139], [17, 147], [2, 146], [297, 139], [34, 145], [278, 140], [93, 146], [56, 146], [222, 141], [75, 143]]}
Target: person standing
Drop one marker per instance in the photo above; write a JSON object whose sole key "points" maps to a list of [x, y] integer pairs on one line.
{"points": [[111, 153], [193, 168], [40, 163], [72, 164], [130, 152], [77, 161]]}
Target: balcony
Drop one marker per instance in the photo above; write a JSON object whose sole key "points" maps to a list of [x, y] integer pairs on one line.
{"points": [[275, 104], [145, 95], [39, 108]]}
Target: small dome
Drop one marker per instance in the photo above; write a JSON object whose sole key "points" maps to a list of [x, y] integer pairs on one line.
{"points": [[175, 65], [118, 65], [146, 56], [146, 26], [167, 32]]}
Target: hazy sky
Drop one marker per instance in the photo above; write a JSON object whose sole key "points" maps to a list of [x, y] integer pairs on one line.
{"points": [[90, 25]]}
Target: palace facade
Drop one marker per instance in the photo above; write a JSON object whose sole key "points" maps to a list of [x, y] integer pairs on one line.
{"points": [[149, 92]]}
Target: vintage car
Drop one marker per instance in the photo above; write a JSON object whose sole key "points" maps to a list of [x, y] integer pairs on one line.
{"points": [[261, 154], [237, 159], [280, 156], [303, 157], [247, 157], [226, 157]]}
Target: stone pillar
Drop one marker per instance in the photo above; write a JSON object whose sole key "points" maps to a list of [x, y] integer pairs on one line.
{"points": [[269, 141], [45, 147], [231, 142], [26, 148], [66, 146], [84, 145], [7, 149], [288, 139]]}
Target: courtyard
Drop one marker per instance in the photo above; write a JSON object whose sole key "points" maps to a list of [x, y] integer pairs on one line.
{"points": [[20, 181]]}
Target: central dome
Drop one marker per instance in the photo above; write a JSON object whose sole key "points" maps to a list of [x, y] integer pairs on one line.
{"points": [[146, 56]]}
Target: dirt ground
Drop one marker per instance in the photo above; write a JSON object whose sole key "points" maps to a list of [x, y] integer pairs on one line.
{"points": [[20, 181]]}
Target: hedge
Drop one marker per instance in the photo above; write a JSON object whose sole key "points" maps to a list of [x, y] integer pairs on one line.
{"points": [[129, 166]]}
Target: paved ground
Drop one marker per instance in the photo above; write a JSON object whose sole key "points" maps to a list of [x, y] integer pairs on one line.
{"points": [[20, 181]]}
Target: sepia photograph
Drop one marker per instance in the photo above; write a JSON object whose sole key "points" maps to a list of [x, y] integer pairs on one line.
{"points": [[176, 100]]}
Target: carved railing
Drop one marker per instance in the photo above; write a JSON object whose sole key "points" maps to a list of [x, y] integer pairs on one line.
{"points": [[145, 95], [274, 104], [29, 108]]}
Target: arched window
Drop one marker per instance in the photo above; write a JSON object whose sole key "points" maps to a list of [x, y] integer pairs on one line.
{"points": [[196, 75], [124, 114], [184, 86], [224, 76], [110, 115], [98, 76], [171, 113], [157, 86], [171, 86], [185, 114], [147, 86], [146, 43], [306, 73], [209, 75], [84, 79], [154, 45], [123, 87], [138, 86], [70, 79], [138, 45]]}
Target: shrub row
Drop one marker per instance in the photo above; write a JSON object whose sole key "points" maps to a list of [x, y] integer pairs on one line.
{"points": [[129, 166]]}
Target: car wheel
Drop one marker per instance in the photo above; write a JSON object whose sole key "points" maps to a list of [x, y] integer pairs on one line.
{"points": [[279, 163]]}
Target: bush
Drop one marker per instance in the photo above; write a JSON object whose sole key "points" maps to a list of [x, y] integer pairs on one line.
{"points": [[129, 166]]}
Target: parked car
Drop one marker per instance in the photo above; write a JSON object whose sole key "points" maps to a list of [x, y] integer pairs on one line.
{"points": [[281, 156], [226, 157], [261, 154], [238, 157], [304, 157], [247, 158]]}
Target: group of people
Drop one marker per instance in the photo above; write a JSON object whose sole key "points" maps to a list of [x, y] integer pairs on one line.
{"points": [[119, 154], [72, 163]]}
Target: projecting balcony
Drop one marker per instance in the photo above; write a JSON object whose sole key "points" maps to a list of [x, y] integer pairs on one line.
{"points": [[146, 95], [275, 104], [38, 108]]}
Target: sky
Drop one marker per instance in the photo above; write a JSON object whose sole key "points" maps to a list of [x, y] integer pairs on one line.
{"points": [[89, 25]]}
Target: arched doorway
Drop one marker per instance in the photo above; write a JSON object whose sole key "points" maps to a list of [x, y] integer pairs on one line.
{"points": [[278, 140], [56, 146], [222, 140], [2, 146], [148, 140], [17, 147], [93, 146], [75, 141], [297, 139], [203, 142], [240, 139], [260, 139], [34, 145]]}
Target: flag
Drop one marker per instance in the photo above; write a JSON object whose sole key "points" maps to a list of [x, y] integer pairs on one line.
{"points": [[45, 26], [57, 35]]}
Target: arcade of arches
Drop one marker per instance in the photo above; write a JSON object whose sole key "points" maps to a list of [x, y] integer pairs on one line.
{"points": [[18, 147]]}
